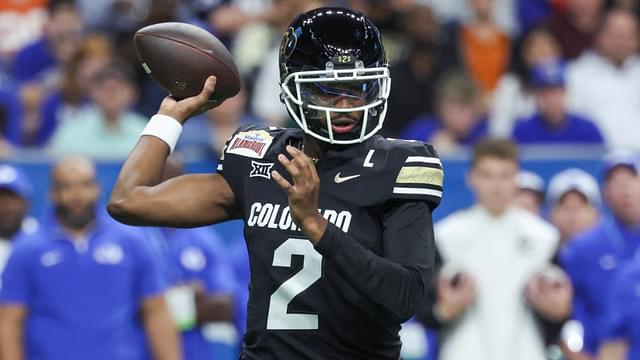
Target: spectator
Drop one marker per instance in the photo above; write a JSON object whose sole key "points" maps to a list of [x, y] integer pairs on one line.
{"points": [[68, 99], [239, 259], [201, 280], [10, 117], [62, 35], [21, 23], [205, 136], [108, 129], [593, 257], [574, 200], [531, 13], [502, 282], [459, 120], [604, 84], [512, 98], [430, 53], [530, 195], [86, 287], [552, 124], [114, 16], [458, 10], [621, 335], [15, 225], [484, 48], [575, 26], [266, 102]]}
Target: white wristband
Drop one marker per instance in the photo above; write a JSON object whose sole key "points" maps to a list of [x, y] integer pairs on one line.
{"points": [[165, 128]]}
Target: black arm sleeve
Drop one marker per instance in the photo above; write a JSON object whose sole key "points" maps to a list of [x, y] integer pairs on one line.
{"points": [[399, 278]]}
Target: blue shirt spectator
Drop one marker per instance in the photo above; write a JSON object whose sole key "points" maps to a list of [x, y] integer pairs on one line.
{"points": [[240, 264], [574, 130], [62, 35], [83, 298], [531, 13], [10, 114], [552, 123], [459, 120], [195, 258], [33, 60], [623, 305], [85, 287], [593, 258], [15, 225], [426, 127]]}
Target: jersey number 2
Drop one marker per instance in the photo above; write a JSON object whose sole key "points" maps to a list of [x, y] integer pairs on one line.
{"points": [[278, 318]]}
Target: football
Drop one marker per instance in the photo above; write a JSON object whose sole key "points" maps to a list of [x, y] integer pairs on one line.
{"points": [[181, 56]]}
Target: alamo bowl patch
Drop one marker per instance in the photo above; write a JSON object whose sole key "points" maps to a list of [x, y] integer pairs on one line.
{"points": [[253, 144]]}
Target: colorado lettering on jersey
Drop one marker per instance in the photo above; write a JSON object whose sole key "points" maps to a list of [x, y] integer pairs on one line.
{"points": [[274, 216], [253, 144]]}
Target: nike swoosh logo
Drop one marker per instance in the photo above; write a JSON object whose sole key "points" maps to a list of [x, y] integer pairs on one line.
{"points": [[339, 179]]}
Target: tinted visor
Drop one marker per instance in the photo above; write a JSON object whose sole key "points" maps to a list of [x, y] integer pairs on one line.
{"points": [[358, 92]]}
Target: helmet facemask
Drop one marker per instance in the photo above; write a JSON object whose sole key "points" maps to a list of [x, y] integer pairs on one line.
{"points": [[314, 97]]}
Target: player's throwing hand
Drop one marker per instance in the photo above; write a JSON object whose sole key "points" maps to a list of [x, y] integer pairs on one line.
{"points": [[303, 193], [181, 110]]}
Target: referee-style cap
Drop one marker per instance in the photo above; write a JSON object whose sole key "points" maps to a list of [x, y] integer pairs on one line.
{"points": [[573, 180]]}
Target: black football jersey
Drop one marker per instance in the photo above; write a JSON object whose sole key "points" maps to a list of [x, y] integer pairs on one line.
{"points": [[346, 297]]}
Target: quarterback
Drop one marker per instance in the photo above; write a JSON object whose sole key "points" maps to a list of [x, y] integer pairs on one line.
{"points": [[337, 219]]}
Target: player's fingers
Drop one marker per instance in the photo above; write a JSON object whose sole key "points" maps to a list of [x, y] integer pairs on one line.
{"points": [[307, 165], [196, 102], [282, 182], [300, 156], [208, 88], [291, 167]]}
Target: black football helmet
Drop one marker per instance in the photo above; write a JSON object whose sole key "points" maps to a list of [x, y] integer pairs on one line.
{"points": [[332, 61]]}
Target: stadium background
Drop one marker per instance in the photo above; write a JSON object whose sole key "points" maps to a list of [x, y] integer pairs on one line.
{"points": [[26, 81]]}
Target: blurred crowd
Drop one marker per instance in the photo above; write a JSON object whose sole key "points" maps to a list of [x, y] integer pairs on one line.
{"points": [[558, 74], [535, 71]]}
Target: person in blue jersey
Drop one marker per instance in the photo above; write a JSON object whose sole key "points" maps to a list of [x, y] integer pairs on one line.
{"points": [[202, 284], [621, 334], [86, 287], [552, 123], [574, 202], [15, 225], [201, 294], [458, 121], [593, 257]]}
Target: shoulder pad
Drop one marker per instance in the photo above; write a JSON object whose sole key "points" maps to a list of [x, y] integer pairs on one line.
{"points": [[417, 170]]}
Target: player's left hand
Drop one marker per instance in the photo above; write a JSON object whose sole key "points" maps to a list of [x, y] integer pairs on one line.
{"points": [[550, 294], [303, 193]]}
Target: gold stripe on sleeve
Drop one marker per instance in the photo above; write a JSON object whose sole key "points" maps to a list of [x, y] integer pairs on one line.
{"points": [[420, 175]]}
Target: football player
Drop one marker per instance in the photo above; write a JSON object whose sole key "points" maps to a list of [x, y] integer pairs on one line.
{"points": [[337, 219]]}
